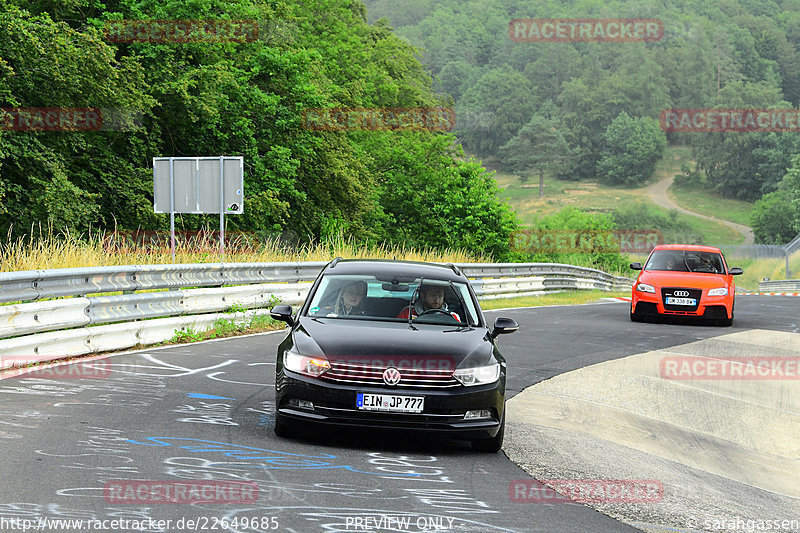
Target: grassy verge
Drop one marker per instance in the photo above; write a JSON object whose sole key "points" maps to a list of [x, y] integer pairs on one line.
{"points": [[708, 203], [714, 233], [561, 298], [558, 194], [227, 327], [593, 197]]}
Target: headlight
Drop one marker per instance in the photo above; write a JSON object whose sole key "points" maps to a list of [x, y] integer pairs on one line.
{"points": [[722, 291], [644, 287], [303, 364], [480, 375]]}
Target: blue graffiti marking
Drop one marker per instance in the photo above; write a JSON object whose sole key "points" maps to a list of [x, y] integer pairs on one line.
{"points": [[276, 459], [207, 396]]}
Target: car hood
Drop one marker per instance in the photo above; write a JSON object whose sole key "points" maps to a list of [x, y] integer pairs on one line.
{"points": [[387, 342], [684, 279]]}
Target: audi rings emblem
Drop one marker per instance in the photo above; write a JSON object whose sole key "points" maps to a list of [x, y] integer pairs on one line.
{"points": [[391, 376], [681, 293]]}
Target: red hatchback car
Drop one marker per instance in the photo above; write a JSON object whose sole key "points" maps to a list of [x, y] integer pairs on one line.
{"points": [[680, 280]]}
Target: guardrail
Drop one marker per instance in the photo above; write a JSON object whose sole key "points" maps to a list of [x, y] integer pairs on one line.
{"points": [[786, 285], [64, 312]]}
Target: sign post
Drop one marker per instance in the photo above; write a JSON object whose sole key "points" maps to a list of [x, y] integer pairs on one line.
{"points": [[198, 185]]}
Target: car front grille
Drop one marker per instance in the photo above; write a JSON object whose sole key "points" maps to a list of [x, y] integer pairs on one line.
{"points": [[670, 291], [361, 374]]}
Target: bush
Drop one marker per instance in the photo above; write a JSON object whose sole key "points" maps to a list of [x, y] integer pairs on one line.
{"points": [[562, 238], [773, 218], [642, 217], [690, 178]]}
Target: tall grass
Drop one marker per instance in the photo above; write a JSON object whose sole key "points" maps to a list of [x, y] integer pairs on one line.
{"points": [[757, 269], [46, 249]]}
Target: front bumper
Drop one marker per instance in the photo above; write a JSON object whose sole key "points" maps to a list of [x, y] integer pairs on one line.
{"points": [[335, 404], [711, 307]]}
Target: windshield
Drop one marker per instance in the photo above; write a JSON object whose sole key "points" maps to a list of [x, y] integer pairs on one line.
{"points": [[686, 261], [363, 297]]}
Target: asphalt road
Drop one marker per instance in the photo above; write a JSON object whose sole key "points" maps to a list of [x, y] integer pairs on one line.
{"points": [[75, 449]]}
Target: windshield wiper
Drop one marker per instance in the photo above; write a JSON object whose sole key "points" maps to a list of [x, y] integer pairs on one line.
{"points": [[460, 299]]}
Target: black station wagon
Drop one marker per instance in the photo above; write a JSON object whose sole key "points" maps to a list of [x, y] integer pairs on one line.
{"points": [[395, 345]]}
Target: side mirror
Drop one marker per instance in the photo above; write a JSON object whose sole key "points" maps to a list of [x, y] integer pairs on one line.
{"points": [[735, 271], [282, 313], [504, 325], [636, 266]]}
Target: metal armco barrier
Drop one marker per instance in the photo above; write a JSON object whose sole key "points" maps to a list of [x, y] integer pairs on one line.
{"points": [[786, 285], [57, 283], [63, 312]]}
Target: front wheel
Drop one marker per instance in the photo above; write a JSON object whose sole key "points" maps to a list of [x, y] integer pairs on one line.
{"points": [[493, 444]]}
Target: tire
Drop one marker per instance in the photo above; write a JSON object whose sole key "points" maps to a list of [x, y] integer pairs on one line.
{"points": [[493, 444], [726, 322], [634, 317]]}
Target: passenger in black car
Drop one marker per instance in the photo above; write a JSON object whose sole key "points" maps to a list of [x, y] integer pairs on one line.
{"points": [[350, 300]]}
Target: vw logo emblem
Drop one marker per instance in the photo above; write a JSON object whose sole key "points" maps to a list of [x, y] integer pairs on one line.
{"points": [[681, 293], [391, 376]]}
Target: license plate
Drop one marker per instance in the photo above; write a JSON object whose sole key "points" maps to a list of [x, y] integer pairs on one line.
{"points": [[390, 402], [671, 300]]}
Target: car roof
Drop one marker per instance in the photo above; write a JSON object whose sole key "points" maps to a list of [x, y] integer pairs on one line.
{"points": [[395, 267], [688, 248]]}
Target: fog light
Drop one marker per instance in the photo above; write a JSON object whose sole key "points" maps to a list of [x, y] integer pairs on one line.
{"points": [[302, 404], [483, 413]]}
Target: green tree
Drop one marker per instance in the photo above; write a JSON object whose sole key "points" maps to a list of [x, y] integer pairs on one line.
{"points": [[452, 203], [503, 94], [632, 148], [538, 147], [53, 176], [745, 165]]}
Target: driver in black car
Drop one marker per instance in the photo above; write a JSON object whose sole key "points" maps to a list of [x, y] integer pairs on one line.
{"points": [[430, 297]]}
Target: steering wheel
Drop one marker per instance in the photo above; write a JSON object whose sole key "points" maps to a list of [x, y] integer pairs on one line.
{"points": [[707, 264], [435, 310]]}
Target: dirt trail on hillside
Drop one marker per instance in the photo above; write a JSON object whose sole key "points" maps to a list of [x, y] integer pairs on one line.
{"points": [[658, 193]]}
